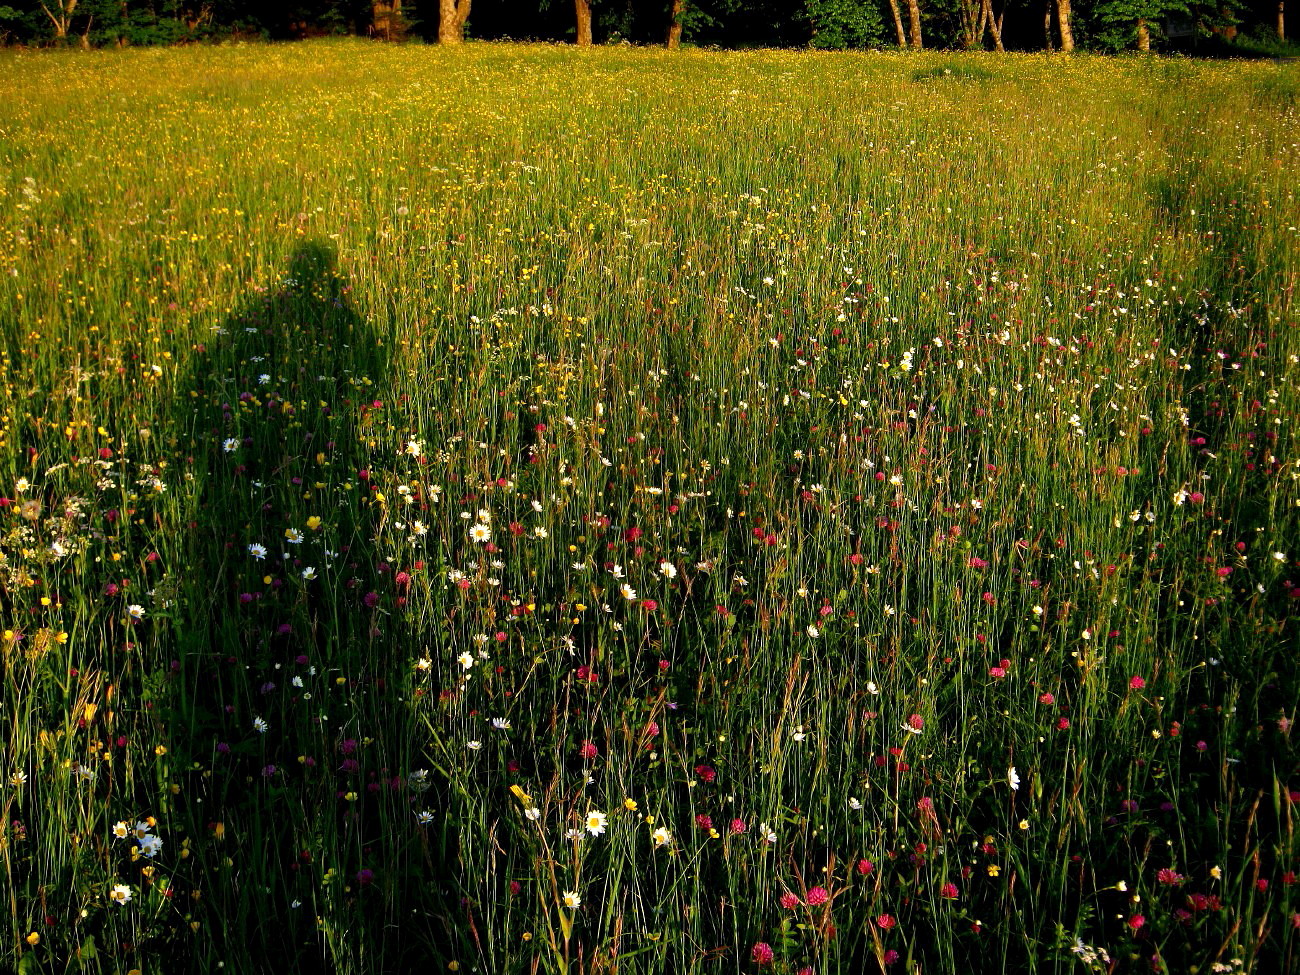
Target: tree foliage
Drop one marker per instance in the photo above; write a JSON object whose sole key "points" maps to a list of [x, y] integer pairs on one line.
{"points": [[1210, 26]]}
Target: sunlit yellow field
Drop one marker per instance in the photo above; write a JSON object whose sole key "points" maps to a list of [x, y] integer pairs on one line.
{"points": [[518, 509]]}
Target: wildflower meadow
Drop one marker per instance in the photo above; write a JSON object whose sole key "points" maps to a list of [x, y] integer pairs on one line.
{"points": [[515, 509]]}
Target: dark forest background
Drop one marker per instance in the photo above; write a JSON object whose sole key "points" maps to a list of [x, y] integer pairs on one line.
{"points": [[1203, 27]]}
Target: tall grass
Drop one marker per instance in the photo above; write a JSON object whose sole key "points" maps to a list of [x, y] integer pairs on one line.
{"points": [[528, 510]]}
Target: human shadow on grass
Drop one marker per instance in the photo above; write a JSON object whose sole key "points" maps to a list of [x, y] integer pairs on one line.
{"points": [[305, 847]]}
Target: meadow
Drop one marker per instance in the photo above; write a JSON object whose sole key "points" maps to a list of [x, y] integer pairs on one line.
{"points": [[527, 510]]}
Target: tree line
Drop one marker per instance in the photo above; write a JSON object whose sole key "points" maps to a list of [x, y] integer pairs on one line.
{"points": [[1195, 26]]}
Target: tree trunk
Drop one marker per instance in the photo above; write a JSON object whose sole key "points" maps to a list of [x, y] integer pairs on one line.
{"points": [[583, 9], [451, 20], [898, 23], [992, 24], [1144, 35], [1281, 20], [1047, 27], [1063, 22], [914, 23], [972, 24], [675, 11], [63, 20]]}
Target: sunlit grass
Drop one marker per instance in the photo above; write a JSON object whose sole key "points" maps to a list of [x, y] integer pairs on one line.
{"points": [[866, 481]]}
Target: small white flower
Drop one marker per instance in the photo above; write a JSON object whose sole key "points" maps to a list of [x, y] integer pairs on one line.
{"points": [[309, 573], [136, 612], [120, 894], [293, 536], [628, 592], [1013, 778], [413, 448], [480, 533], [297, 681], [150, 845], [424, 817], [662, 836], [466, 660], [572, 900], [813, 631], [799, 733], [668, 570], [263, 379], [474, 745], [121, 830], [501, 724], [230, 446], [260, 725], [854, 803], [596, 822], [257, 550], [765, 834], [540, 532], [533, 813]]}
